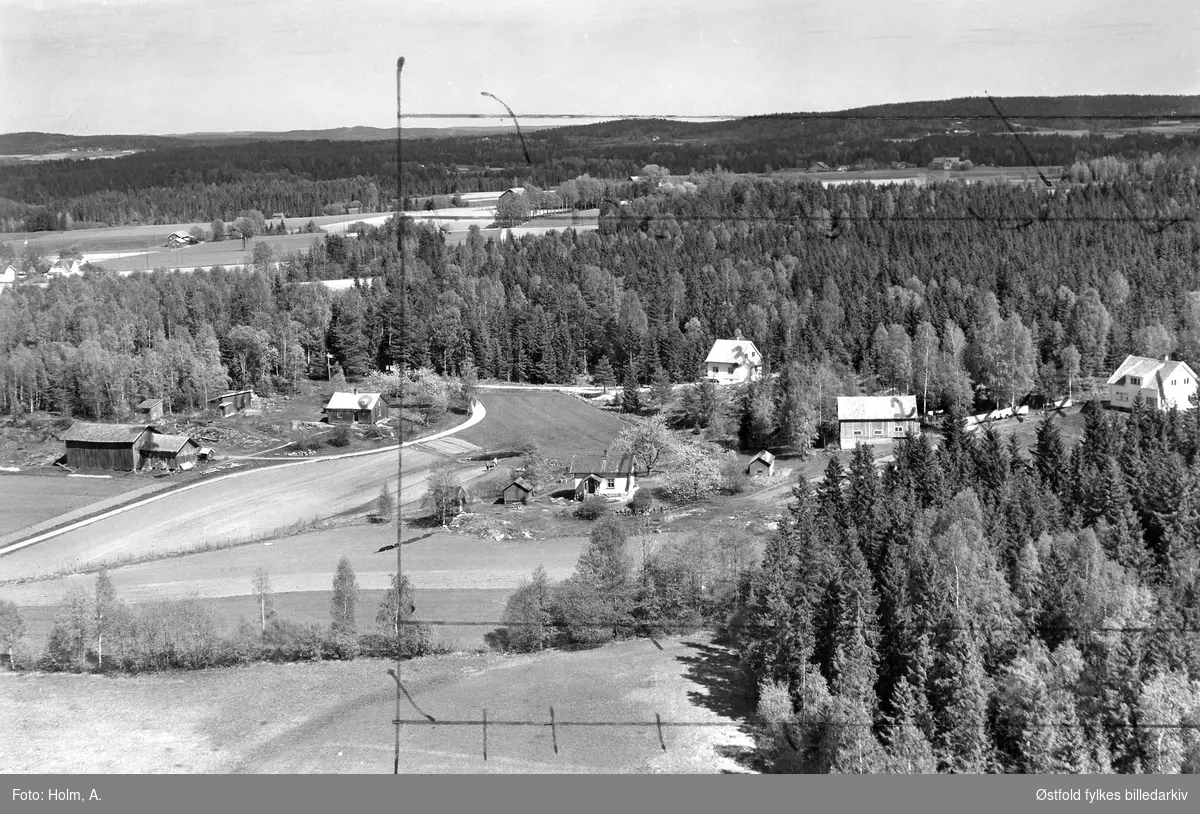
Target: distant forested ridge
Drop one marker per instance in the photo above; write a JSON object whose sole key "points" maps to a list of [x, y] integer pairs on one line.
{"points": [[214, 180]]}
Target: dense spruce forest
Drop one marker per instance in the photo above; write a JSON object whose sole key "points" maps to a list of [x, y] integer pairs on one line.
{"points": [[201, 181]]}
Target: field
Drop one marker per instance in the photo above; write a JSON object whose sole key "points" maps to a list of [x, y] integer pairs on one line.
{"points": [[335, 717], [922, 175], [29, 499], [559, 424]]}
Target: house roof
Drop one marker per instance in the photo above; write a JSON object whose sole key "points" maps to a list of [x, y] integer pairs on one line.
{"points": [[1141, 366], [876, 408], [353, 401], [522, 484], [105, 433], [764, 456], [148, 403], [604, 464], [167, 443], [732, 351], [226, 395], [179, 234], [514, 191]]}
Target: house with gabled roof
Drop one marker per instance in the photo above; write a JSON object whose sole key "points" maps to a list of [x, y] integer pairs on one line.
{"points": [[171, 452], [518, 491], [1162, 384], [150, 409], [356, 407], [606, 475], [876, 419], [65, 268], [733, 360]]}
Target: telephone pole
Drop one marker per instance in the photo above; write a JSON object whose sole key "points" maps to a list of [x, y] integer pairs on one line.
{"points": [[400, 424]]}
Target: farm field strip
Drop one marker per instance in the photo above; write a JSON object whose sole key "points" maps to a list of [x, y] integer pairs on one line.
{"points": [[26, 500], [559, 424]]}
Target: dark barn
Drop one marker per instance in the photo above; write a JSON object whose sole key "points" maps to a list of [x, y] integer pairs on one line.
{"points": [[105, 446], [159, 451], [516, 492]]}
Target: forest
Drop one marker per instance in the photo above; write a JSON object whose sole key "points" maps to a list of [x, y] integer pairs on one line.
{"points": [[963, 294], [202, 181]]}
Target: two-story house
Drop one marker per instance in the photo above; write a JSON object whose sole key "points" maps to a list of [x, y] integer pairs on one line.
{"points": [[1162, 383], [733, 360]]}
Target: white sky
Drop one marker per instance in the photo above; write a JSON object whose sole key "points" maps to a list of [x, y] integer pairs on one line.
{"points": [[165, 66]]}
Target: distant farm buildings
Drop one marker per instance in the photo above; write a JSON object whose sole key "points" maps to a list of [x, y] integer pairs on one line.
{"points": [[235, 401], [818, 166], [65, 268], [762, 464], [733, 360], [604, 475], [876, 419], [8, 278], [1162, 384], [510, 193], [150, 410], [356, 408], [945, 163], [177, 239]]}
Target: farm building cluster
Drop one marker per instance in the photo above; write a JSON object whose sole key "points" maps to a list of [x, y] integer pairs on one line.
{"points": [[129, 448]]}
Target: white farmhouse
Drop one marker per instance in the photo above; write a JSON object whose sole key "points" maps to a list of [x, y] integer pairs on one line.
{"points": [[1162, 383], [609, 476], [733, 360]]}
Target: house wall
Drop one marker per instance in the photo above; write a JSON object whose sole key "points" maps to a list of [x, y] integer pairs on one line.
{"points": [[94, 455], [760, 468], [720, 372], [341, 416], [876, 432], [514, 494], [1121, 396], [158, 458], [153, 413], [622, 484]]}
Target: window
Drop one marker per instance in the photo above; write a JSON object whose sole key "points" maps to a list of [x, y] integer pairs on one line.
{"points": [[858, 432], [898, 429], [612, 483], [879, 432], [731, 368], [1135, 380], [1172, 382], [716, 369]]}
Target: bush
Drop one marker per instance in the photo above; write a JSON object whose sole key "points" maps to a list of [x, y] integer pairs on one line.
{"points": [[23, 656], [341, 436], [641, 502], [417, 641], [592, 509], [306, 442]]}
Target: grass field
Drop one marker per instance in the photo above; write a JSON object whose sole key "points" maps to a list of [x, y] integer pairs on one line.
{"points": [[559, 424], [29, 499], [335, 717]]}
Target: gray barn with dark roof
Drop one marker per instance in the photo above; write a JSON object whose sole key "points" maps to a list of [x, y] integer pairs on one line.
{"points": [[105, 446], [161, 451]]}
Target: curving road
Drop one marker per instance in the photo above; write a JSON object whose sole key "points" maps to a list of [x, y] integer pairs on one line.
{"points": [[246, 505]]}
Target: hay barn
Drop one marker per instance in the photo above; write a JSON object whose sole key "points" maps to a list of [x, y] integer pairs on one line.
{"points": [[516, 492], [150, 410], [105, 446]]}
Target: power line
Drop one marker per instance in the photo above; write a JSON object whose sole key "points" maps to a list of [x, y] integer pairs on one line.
{"points": [[844, 116]]}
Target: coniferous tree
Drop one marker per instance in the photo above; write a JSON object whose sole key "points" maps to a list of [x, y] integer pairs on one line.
{"points": [[1050, 455]]}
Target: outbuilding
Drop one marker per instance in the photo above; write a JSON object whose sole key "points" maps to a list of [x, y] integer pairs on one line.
{"points": [[233, 401], [105, 446], [170, 452], [150, 410], [518, 491], [761, 464], [876, 419]]}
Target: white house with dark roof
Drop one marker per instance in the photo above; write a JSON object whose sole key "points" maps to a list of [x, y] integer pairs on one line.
{"points": [[610, 476], [1162, 383], [733, 360], [876, 419], [64, 268], [349, 408]]}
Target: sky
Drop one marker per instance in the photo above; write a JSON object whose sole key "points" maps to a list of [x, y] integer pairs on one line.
{"points": [[89, 67]]}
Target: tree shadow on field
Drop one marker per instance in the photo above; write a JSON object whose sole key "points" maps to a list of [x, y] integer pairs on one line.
{"points": [[716, 669]]}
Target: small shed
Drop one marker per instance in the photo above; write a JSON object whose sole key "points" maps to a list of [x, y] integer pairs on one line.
{"points": [[150, 410], [356, 407], [171, 452], [761, 464], [517, 492], [105, 446]]}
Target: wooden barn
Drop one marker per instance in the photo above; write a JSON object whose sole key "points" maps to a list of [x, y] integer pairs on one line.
{"points": [[170, 452], [105, 446], [150, 410], [876, 419], [761, 464], [518, 491], [232, 402], [356, 407]]}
